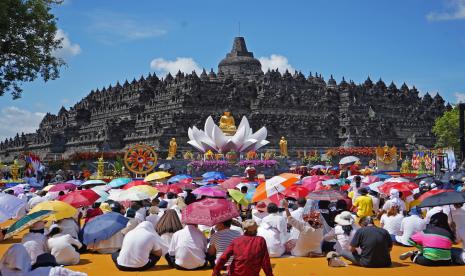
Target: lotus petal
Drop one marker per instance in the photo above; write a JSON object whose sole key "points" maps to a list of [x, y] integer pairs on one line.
{"points": [[248, 144], [261, 144], [219, 138], [196, 145], [260, 134], [202, 138], [209, 125]]}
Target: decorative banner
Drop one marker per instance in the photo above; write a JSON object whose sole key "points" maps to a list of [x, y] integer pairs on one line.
{"points": [[386, 158]]}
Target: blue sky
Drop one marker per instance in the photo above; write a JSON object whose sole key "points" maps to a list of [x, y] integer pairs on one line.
{"points": [[420, 42]]}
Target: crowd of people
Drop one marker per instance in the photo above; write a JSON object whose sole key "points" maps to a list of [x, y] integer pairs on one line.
{"points": [[346, 229]]}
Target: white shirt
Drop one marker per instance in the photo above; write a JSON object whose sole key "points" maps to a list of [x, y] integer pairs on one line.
{"points": [[410, 226], [189, 246], [375, 201], [61, 247], [35, 244], [435, 210], [153, 219], [342, 240], [458, 216], [138, 244], [392, 223], [309, 240], [297, 214], [279, 222], [258, 216], [69, 226], [271, 235], [388, 204], [54, 271], [167, 237]]}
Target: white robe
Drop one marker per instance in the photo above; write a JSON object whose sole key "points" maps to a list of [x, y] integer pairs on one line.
{"points": [[35, 244], [15, 261], [69, 226], [61, 246]]}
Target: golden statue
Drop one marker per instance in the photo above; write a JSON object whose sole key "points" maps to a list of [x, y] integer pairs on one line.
{"points": [[188, 155], [14, 170], [100, 168], [386, 154], [283, 147], [172, 149], [209, 155], [227, 124]]}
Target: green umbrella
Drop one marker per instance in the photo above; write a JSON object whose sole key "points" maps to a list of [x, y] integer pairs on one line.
{"points": [[26, 222], [238, 197]]}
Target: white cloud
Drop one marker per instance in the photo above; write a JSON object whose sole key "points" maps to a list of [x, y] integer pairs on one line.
{"points": [[111, 27], [455, 11], [15, 120], [276, 62], [459, 97], [68, 49], [163, 66]]}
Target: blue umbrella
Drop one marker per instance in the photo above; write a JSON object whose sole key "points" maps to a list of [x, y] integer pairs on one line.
{"points": [[213, 176], [115, 183], [103, 227], [178, 178], [382, 176]]}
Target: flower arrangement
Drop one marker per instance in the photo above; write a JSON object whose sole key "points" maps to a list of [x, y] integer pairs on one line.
{"points": [[257, 163], [361, 151], [208, 164]]}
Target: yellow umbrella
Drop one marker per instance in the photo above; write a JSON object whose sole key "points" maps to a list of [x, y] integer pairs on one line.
{"points": [[47, 188], [149, 190], [61, 210], [238, 197], [156, 176]]}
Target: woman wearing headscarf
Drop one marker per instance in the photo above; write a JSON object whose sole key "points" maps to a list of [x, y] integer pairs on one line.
{"points": [[15, 261], [343, 232], [63, 247], [168, 224], [434, 243], [394, 199], [142, 248]]}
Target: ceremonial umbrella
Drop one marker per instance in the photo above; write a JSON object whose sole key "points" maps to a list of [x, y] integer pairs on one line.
{"points": [[445, 198], [102, 227], [178, 177], [26, 222], [62, 187], [329, 195], [238, 197], [296, 192], [156, 176], [9, 206], [348, 160], [94, 182], [432, 193], [275, 185], [213, 176], [404, 187], [209, 211], [135, 183], [168, 188], [80, 198], [209, 191], [61, 210], [149, 190], [231, 183], [115, 183]]}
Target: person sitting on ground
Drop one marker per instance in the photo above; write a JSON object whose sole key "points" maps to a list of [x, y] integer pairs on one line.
{"points": [[392, 220], [274, 229], [35, 241], [153, 217], [15, 261], [259, 212], [308, 243], [249, 253], [63, 246], [142, 248], [458, 222], [93, 212], [343, 232], [410, 225], [298, 215], [375, 199], [69, 226], [221, 239], [364, 204], [394, 199], [187, 249], [132, 223], [168, 224], [375, 244], [46, 265], [434, 243]]}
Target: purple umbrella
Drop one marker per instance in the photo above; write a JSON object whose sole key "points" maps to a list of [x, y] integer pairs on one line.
{"points": [[209, 191]]}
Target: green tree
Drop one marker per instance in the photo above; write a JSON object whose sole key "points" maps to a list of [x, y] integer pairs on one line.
{"points": [[446, 129], [27, 42]]}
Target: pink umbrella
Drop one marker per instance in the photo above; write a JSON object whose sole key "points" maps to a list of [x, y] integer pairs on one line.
{"points": [[209, 191], [63, 187], [231, 183], [311, 182], [370, 179], [135, 183], [209, 211]]}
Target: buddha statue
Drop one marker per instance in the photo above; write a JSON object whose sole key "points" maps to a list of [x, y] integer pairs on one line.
{"points": [[283, 147], [14, 170], [227, 124], [172, 149]]}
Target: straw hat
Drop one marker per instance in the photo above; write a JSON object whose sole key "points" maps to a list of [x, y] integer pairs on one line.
{"points": [[249, 225], [344, 219]]}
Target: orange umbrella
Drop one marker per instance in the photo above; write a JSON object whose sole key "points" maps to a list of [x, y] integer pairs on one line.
{"points": [[275, 185]]}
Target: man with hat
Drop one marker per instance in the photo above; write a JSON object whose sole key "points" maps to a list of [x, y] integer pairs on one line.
{"points": [[249, 253]]}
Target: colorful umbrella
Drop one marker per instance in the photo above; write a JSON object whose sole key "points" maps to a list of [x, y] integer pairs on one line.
{"points": [[168, 188], [80, 198], [156, 176], [231, 183], [17, 190], [209, 191], [310, 182], [178, 177], [333, 182], [213, 176], [375, 186], [370, 179], [275, 185], [76, 182], [9, 206], [102, 193], [62, 187], [396, 180], [209, 211], [329, 195], [348, 160], [115, 183], [445, 198], [26, 222], [404, 187], [127, 195], [135, 183], [382, 176], [60, 209], [185, 184], [48, 187], [296, 192], [94, 182], [318, 167], [102, 227], [149, 190], [238, 197], [431, 193]]}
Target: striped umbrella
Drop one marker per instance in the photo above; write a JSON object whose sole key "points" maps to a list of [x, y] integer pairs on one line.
{"points": [[275, 185], [26, 222]]}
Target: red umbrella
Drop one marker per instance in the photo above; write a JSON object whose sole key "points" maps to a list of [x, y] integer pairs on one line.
{"points": [[329, 195], [209, 211], [185, 184], [296, 192], [404, 187], [135, 183], [80, 198], [62, 187], [168, 188], [310, 182], [231, 183], [370, 179], [431, 193]]}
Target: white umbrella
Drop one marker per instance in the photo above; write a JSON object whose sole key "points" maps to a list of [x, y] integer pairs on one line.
{"points": [[129, 196], [9, 206], [94, 182], [374, 186], [348, 160]]}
